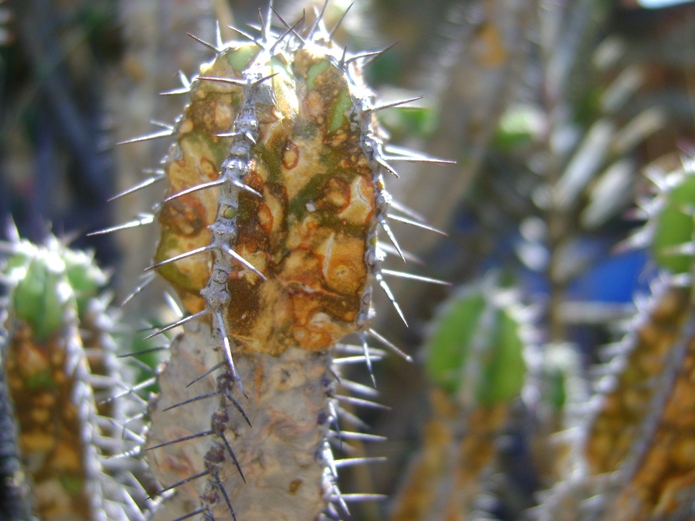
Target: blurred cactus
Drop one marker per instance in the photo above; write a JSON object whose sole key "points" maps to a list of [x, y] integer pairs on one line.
{"points": [[59, 358], [474, 359]]}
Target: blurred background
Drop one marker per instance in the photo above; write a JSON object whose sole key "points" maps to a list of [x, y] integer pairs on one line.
{"points": [[554, 111]]}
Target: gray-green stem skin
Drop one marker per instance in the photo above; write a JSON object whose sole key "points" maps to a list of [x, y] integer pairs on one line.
{"points": [[280, 455]]}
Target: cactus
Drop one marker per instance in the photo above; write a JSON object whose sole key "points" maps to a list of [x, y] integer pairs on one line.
{"points": [[474, 360], [57, 372], [269, 237]]}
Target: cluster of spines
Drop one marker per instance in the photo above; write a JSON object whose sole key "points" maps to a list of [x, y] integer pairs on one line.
{"points": [[60, 359]]}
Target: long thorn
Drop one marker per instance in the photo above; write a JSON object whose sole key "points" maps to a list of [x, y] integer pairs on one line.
{"points": [[230, 81], [147, 182], [389, 294], [218, 36], [147, 137], [319, 17], [386, 166], [412, 276], [362, 402], [143, 352], [195, 188], [201, 376], [203, 42], [389, 233], [231, 453], [340, 21], [395, 104], [370, 56], [188, 516], [179, 483], [389, 344], [268, 21], [367, 357], [349, 462], [141, 221], [290, 28], [238, 407], [178, 323], [191, 253], [179, 440], [190, 400], [418, 224], [148, 280], [243, 261], [242, 33], [224, 493], [228, 352]]}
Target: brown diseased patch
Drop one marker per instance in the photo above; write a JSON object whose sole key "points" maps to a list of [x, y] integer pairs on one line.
{"points": [[310, 233], [50, 431]]}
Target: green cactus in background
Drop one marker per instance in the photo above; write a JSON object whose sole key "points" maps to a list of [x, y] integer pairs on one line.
{"points": [[60, 360], [474, 359]]}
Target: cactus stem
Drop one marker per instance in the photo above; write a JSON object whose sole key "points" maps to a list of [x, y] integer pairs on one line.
{"points": [[143, 220]]}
